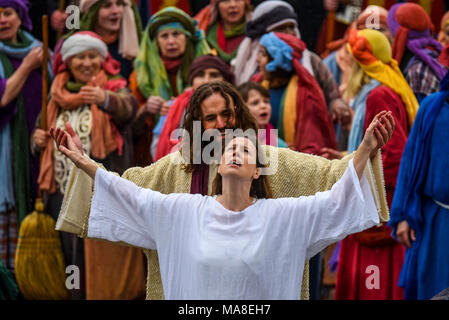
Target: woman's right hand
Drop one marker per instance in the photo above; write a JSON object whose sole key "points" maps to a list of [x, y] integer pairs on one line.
{"points": [[33, 59]]}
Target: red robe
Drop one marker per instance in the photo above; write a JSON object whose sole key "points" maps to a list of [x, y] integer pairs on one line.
{"points": [[372, 253]]}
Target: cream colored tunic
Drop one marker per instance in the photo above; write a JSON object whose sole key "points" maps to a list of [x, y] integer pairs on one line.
{"points": [[297, 174]]}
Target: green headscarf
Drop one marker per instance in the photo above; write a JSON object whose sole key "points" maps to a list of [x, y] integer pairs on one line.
{"points": [[150, 71]]}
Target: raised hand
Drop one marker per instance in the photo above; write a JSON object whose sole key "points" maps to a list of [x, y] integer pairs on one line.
{"points": [[72, 149], [66, 145], [33, 59], [376, 136], [379, 132]]}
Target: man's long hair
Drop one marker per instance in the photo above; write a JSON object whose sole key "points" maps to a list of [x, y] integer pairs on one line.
{"points": [[234, 103]]}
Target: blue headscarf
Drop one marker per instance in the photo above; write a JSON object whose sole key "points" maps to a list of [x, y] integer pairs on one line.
{"points": [[279, 51]]}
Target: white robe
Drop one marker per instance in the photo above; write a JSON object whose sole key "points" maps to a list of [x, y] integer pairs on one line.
{"points": [[209, 252]]}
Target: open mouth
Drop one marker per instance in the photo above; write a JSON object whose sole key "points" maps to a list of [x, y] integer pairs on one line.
{"points": [[264, 115], [4, 29], [114, 20]]}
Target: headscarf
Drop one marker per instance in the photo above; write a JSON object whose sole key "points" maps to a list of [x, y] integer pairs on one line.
{"points": [[364, 20], [21, 7], [80, 42], [166, 144], [372, 51], [266, 16], [210, 61], [209, 14], [311, 110], [152, 77], [130, 30], [411, 28], [444, 23], [105, 136]]}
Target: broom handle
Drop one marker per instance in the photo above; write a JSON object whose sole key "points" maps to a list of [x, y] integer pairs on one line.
{"points": [[44, 79], [44, 71], [61, 9]]}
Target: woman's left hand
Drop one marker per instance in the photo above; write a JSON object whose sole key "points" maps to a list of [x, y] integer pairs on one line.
{"points": [[379, 132], [93, 95]]}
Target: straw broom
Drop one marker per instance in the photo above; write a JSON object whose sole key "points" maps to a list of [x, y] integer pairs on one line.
{"points": [[39, 262]]}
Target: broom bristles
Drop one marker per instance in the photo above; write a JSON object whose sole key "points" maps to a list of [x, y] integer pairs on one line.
{"points": [[39, 264]]}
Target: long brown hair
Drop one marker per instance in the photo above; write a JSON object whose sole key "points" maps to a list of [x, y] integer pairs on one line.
{"points": [[260, 188], [234, 103]]}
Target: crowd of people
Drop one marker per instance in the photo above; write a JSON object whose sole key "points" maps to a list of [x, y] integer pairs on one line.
{"points": [[120, 91]]}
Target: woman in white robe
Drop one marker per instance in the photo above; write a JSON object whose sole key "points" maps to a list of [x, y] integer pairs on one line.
{"points": [[237, 244]]}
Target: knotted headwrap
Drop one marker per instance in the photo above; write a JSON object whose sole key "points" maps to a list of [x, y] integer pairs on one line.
{"points": [[372, 51], [411, 28], [266, 21], [130, 28], [21, 7], [266, 16], [210, 61], [312, 128], [150, 71]]}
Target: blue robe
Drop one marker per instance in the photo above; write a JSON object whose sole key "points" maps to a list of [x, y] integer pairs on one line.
{"points": [[422, 180]]}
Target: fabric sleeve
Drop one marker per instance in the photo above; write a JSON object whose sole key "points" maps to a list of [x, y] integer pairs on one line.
{"points": [[329, 216], [295, 174], [121, 105], [123, 212]]}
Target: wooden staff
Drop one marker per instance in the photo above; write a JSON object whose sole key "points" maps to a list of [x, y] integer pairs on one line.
{"points": [[44, 71], [44, 79], [61, 9], [330, 26]]}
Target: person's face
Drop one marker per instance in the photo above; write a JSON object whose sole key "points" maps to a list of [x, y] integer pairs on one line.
{"points": [[239, 160], [9, 24], [206, 76], [262, 60], [259, 107], [85, 65], [110, 16], [215, 114], [172, 43], [232, 12], [288, 28]]}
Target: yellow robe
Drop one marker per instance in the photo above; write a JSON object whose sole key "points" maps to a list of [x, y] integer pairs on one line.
{"points": [[298, 174]]}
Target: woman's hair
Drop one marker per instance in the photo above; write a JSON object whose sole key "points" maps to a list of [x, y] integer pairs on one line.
{"points": [[357, 79], [243, 118], [246, 87], [260, 188]]}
